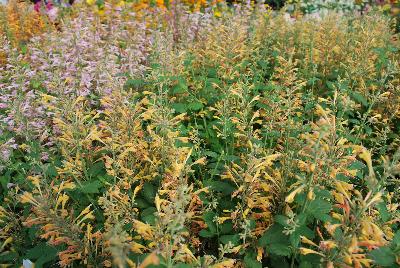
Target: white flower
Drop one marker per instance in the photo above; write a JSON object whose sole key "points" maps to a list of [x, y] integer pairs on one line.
{"points": [[27, 264]]}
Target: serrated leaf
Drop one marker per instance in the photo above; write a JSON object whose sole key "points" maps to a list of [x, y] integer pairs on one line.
{"points": [[212, 72], [359, 98], [279, 262], [8, 256], [226, 227], [211, 154], [383, 256], [221, 186], [281, 219], [179, 107], [195, 106], [149, 219], [149, 192], [41, 254], [4, 180], [96, 169], [206, 234], [51, 171], [180, 88], [250, 260], [273, 235], [300, 231], [148, 215], [142, 203], [91, 187], [330, 85], [396, 238], [319, 209], [279, 249], [310, 260], [209, 220], [133, 84], [383, 212], [233, 238]]}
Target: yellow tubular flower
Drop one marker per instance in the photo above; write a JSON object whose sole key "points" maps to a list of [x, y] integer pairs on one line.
{"points": [[290, 198]]}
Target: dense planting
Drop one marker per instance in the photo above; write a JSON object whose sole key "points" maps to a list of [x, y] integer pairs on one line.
{"points": [[232, 137]]}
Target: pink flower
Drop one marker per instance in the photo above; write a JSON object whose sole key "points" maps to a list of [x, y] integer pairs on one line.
{"points": [[44, 156], [37, 5], [49, 5]]}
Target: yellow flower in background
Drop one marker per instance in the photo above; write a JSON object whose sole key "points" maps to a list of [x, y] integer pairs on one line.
{"points": [[35, 180], [90, 2], [120, 3], [101, 11], [217, 13]]}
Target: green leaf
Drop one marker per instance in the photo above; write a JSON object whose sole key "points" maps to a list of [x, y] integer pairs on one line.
{"points": [[281, 219], [134, 84], [206, 233], [309, 261], [252, 224], [279, 249], [279, 262], [323, 193], [51, 171], [330, 85], [383, 256], [212, 72], [179, 107], [226, 227], [305, 264], [396, 238], [300, 231], [383, 212], [250, 260], [8, 256], [319, 208], [221, 186], [273, 235], [275, 241], [211, 154], [357, 165], [148, 216], [149, 211], [96, 169], [359, 98], [195, 106], [209, 220], [41, 254], [180, 88], [227, 203], [91, 187], [149, 192], [4, 180], [141, 203], [233, 238]]}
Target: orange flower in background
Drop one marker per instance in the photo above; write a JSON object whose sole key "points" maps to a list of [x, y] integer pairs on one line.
{"points": [[20, 22], [160, 3]]}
